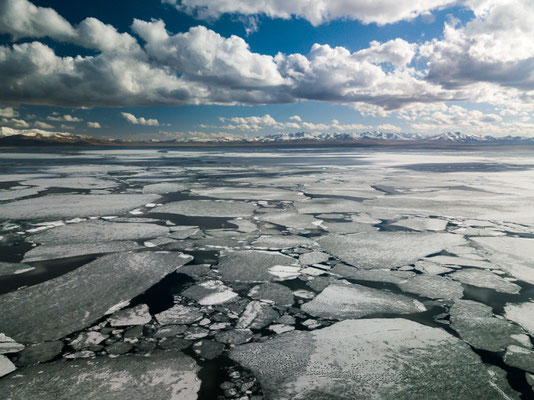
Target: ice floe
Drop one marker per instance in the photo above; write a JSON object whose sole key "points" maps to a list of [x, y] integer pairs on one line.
{"points": [[279, 242], [210, 293], [476, 324], [522, 313], [342, 301], [432, 286], [162, 375], [207, 208], [422, 224], [318, 206], [99, 231], [253, 265], [138, 315], [386, 249], [512, 254], [371, 359], [520, 357], [14, 268], [485, 279], [278, 294], [245, 193], [73, 205], [8, 345], [73, 301], [53, 252], [179, 314]]}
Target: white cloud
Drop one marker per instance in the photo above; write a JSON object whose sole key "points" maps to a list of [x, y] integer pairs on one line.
{"points": [[389, 128], [94, 125], [202, 54], [42, 125], [132, 119], [8, 112], [20, 18], [6, 131], [495, 47], [489, 59], [316, 12], [66, 118], [18, 123], [268, 124]]}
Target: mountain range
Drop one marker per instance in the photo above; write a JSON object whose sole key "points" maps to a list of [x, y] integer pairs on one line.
{"points": [[35, 137]]}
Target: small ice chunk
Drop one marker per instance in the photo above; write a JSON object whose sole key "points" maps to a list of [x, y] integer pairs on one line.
{"points": [[522, 314], [281, 328], [8, 345], [6, 366], [87, 339], [210, 293], [283, 272], [179, 314], [138, 315], [314, 257], [422, 224], [520, 357], [257, 315]]}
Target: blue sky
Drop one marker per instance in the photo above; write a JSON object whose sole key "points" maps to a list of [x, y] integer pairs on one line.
{"points": [[213, 68]]}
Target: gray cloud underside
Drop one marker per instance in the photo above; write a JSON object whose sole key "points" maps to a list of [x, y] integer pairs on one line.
{"points": [[474, 62]]}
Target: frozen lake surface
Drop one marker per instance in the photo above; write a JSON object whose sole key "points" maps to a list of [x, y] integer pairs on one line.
{"points": [[266, 273]]}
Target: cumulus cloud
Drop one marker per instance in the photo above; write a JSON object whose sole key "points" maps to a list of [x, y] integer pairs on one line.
{"points": [[267, 123], [7, 131], [93, 125], [495, 47], [489, 59], [203, 55], [66, 118], [132, 119], [42, 125], [317, 12], [17, 123], [8, 112], [20, 18]]}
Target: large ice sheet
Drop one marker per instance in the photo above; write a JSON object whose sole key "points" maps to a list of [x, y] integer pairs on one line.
{"points": [[73, 182], [250, 193], [69, 303], [321, 206], [386, 249], [99, 231], [342, 301], [523, 314], [73, 205], [166, 375], [476, 324], [372, 359], [514, 255], [207, 208], [53, 252], [290, 219], [485, 279]]}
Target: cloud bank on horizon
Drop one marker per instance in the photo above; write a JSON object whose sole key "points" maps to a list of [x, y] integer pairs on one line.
{"points": [[476, 76]]}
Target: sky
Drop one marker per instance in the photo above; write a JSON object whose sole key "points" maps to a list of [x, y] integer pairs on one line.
{"points": [[175, 69]]}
